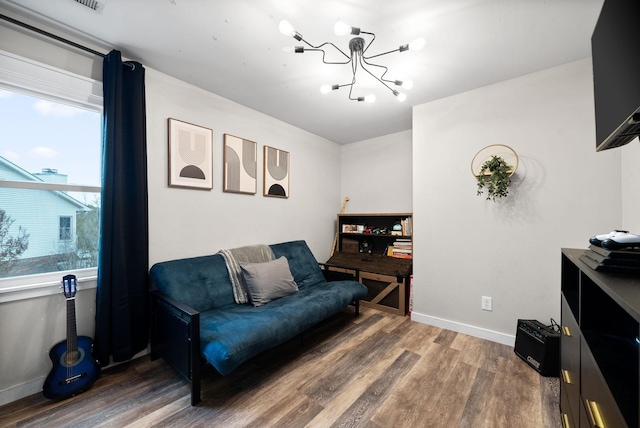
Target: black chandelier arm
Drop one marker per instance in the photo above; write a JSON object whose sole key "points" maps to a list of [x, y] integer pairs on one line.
{"points": [[353, 82], [324, 55], [386, 69], [343, 85], [376, 77], [319, 48], [368, 44], [380, 54]]}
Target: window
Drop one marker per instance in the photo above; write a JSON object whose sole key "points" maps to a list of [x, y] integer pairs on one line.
{"points": [[50, 169], [65, 228]]}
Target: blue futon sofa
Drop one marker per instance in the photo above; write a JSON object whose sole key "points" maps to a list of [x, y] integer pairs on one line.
{"points": [[195, 316]]}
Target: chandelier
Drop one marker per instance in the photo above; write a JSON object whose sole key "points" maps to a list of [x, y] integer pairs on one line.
{"points": [[356, 58]]}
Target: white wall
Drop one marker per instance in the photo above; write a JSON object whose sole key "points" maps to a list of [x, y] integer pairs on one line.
{"points": [[189, 222], [376, 174], [28, 330], [563, 192]]}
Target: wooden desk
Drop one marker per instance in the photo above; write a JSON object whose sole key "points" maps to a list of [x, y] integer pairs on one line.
{"points": [[387, 278]]}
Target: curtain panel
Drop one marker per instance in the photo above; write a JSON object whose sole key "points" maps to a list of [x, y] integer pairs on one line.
{"points": [[122, 327]]}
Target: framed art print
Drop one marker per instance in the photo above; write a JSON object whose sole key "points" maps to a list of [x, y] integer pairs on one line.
{"points": [[240, 165], [190, 155], [276, 172]]}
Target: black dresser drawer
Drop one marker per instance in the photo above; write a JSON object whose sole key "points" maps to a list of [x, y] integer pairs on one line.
{"points": [[599, 404]]}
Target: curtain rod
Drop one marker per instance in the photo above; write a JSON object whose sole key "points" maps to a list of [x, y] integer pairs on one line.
{"points": [[52, 36], [58, 38]]}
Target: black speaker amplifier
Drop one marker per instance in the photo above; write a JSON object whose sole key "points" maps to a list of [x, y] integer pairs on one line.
{"points": [[539, 346]]}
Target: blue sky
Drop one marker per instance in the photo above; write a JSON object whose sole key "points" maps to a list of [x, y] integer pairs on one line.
{"points": [[37, 134]]}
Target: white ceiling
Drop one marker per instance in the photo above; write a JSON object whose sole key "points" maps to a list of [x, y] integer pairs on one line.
{"points": [[233, 48]]}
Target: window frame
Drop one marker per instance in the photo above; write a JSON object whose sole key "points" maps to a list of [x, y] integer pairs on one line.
{"points": [[19, 74]]}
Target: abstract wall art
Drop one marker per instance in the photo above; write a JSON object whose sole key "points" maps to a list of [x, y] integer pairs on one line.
{"points": [[276, 172], [240, 165], [190, 155]]}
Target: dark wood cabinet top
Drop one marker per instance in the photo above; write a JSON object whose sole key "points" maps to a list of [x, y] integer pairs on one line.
{"points": [[624, 289], [373, 263]]}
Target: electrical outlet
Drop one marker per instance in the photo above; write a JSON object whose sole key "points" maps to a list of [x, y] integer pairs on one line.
{"points": [[487, 303]]}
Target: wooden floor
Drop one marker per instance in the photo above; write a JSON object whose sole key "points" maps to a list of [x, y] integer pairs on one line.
{"points": [[377, 370]]}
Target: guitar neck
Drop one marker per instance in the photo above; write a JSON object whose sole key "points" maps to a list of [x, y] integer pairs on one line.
{"points": [[72, 336]]}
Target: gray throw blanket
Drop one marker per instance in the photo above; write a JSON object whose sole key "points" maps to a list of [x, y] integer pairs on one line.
{"points": [[250, 254]]}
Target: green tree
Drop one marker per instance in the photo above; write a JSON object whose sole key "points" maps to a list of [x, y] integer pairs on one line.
{"points": [[11, 247], [88, 233]]}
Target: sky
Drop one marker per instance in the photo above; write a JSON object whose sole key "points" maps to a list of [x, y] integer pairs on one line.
{"points": [[37, 134]]}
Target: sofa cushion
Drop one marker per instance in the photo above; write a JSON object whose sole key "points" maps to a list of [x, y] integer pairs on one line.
{"points": [[201, 283], [268, 281], [304, 266], [233, 334]]}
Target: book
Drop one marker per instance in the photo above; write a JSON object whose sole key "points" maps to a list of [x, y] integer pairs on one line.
{"points": [[405, 253]]}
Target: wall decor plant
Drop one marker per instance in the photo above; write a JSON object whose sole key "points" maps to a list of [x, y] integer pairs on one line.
{"points": [[495, 177], [493, 167]]}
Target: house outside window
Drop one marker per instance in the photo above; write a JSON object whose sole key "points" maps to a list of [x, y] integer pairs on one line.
{"points": [[50, 169]]}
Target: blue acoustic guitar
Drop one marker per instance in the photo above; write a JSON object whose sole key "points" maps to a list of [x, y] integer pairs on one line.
{"points": [[74, 368]]}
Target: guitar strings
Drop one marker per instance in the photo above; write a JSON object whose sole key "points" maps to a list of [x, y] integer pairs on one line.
{"points": [[71, 357]]}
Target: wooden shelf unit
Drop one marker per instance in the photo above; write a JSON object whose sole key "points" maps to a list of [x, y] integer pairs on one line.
{"points": [[348, 241], [386, 277], [599, 347]]}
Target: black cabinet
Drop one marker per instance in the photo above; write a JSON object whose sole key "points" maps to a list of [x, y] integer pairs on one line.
{"points": [[599, 348]]}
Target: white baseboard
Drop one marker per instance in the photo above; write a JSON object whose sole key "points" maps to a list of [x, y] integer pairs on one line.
{"points": [[17, 392], [31, 387], [482, 333]]}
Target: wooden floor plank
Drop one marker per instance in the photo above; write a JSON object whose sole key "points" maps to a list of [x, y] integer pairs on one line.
{"points": [[161, 414], [361, 411], [549, 391], [376, 370], [345, 369], [445, 338], [513, 396], [475, 410], [299, 416], [355, 389], [447, 410], [422, 385]]}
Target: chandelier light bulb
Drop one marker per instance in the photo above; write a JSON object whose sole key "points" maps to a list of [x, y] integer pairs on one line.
{"points": [[417, 44], [325, 89], [341, 29], [287, 29], [370, 98], [401, 96], [407, 84]]}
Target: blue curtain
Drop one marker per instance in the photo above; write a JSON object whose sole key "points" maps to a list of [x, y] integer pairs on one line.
{"points": [[122, 327]]}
